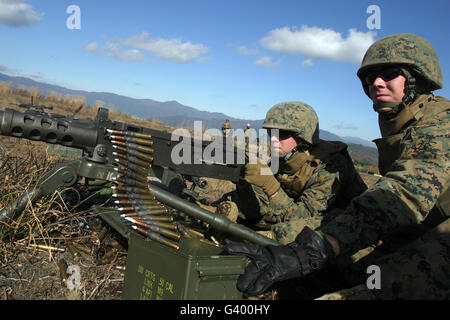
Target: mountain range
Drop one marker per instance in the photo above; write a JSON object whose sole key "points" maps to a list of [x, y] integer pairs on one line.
{"points": [[173, 113]]}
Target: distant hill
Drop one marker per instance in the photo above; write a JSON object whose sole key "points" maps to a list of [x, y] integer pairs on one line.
{"points": [[363, 154], [357, 140], [142, 108], [173, 113]]}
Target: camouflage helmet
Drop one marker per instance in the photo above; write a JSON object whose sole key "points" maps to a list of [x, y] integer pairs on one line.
{"points": [[297, 117], [407, 50]]}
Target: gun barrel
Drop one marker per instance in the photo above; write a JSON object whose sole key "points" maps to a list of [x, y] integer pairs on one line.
{"points": [[216, 220], [81, 134]]}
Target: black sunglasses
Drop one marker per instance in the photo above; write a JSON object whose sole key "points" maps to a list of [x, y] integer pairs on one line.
{"points": [[386, 74], [282, 134]]}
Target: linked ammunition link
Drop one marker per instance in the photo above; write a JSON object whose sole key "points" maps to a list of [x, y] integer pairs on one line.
{"points": [[135, 201]]}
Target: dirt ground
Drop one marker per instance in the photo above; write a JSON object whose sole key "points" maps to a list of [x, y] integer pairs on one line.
{"points": [[78, 257], [34, 274]]}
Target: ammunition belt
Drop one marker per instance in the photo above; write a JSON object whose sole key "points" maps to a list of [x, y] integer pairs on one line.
{"points": [[135, 201]]}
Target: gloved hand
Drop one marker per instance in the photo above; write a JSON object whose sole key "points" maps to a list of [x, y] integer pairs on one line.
{"points": [[271, 264], [267, 182]]}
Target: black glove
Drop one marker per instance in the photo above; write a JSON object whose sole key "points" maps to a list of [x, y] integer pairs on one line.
{"points": [[271, 264]]}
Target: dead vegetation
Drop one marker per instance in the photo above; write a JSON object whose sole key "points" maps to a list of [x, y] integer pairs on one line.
{"points": [[37, 246], [59, 230]]}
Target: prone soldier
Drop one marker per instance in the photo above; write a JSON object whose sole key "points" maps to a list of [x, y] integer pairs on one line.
{"points": [[314, 175]]}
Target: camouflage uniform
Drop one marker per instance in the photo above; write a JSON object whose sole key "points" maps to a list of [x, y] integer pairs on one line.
{"points": [[313, 181], [399, 215], [247, 134], [419, 270], [226, 127]]}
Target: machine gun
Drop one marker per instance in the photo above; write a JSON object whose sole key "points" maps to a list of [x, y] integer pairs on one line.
{"points": [[127, 155]]}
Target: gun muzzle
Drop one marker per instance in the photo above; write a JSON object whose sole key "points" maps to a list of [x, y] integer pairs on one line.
{"points": [[38, 126]]}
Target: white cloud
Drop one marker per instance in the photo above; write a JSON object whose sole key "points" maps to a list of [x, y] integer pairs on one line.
{"points": [[246, 51], [9, 71], [266, 61], [314, 42], [345, 126], [19, 73], [18, 13], [173, 49], [91, 47], [307, 63], [115, 51]]}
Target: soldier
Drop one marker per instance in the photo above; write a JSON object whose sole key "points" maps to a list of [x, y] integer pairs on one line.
{"points": [[247, 135], [226, 127], [247, 128], [247, 132], [406, 211], [314, 177]]}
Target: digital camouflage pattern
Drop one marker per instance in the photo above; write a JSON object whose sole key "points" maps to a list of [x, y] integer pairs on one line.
{"points": [[403, 220], [396, 210], [399, 274], [430, 256], [405, 49], [311, 185], [410, 188], [294, 116]]}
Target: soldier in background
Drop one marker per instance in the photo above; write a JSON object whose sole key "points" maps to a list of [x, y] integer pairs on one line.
{"points": [[226, 128], [247, 129], [405, 215], [247, 135], [314, 176]]}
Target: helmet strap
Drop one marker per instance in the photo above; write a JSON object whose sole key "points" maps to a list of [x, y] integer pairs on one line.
{"points": [[396, 107], [410, 87]]}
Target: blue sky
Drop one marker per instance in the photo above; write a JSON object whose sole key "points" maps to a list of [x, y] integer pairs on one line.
{"points": [[236, 57]]}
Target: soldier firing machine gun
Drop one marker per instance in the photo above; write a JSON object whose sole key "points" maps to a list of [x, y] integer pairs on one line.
{"points": [[127, 155]]}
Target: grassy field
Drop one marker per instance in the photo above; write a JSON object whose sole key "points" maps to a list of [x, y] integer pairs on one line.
{"points": [[38, 245]]}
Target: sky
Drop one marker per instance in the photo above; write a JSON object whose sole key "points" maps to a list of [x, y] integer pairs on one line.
{"points": [[238, 57]]}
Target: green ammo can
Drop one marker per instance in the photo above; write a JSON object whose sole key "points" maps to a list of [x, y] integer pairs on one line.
{"points": [[197, 271]]}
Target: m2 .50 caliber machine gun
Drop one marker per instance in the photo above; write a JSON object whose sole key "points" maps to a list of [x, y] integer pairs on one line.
{"points": [[127, 156]]}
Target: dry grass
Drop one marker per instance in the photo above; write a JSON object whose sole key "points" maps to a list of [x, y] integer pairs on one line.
{"points": [[26, 270], [60, 223], [66, 105]]}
